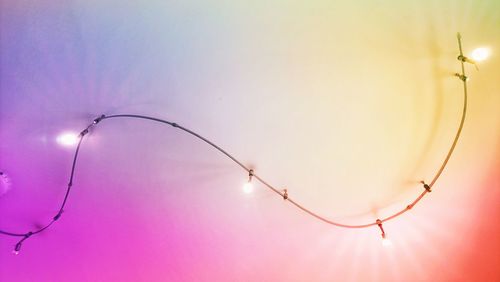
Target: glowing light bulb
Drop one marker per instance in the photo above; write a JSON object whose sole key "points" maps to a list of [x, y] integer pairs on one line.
{"points": [[67, 139], [480, 54], [386, 242], [248, 187]]}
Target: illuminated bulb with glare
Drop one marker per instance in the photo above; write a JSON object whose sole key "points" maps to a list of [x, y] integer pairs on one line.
{"points": [[248, 186], [386, 242], [480, 54], [67, 139]]}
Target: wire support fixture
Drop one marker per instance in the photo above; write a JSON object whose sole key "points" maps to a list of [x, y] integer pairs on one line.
{"points": [[251, 173]]}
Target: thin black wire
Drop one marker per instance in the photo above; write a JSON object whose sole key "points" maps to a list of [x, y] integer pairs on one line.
{"points": [[63, 204], [247, 169]]}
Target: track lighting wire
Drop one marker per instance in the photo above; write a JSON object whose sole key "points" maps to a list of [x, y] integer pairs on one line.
{"points": [[283, 193]]}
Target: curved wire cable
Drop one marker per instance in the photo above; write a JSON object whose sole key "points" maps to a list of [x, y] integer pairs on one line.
{"points": [[283, 194], [63, 204]]}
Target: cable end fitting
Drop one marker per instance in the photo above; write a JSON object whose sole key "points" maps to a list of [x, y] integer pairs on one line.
{"points": [[97, 120], [379, 223], [250, 175], [461, 77], [19, 244], [84, 132], [17, 248], [426, 186], [464, 59]]}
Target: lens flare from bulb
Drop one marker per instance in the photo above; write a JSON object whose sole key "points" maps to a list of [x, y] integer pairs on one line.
{"points": [[67, 139], [480, 54], [248, 187]]}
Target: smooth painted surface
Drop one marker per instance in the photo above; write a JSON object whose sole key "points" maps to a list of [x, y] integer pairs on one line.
{"points": [[346, 104]]}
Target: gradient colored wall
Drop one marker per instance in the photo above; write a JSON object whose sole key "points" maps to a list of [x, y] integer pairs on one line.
{"points": [[348, 104]]}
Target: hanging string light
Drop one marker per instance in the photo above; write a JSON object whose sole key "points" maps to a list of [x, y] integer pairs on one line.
{"points": [[385, 241], [248, 186]]}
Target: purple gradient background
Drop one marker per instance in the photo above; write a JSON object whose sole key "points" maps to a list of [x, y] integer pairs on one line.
{"points": [[310, 94]]}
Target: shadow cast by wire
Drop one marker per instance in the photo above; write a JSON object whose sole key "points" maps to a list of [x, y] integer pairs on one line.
{"points": [[412, 180]]}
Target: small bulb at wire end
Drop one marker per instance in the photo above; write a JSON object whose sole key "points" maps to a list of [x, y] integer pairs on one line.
{"points": [[17, 249], [480, 54], [248, 187], [386, 242]]}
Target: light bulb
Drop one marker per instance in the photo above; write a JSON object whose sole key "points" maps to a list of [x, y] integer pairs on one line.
{"points": [[248, 187], [480, 54], [17, 249], [386, 242], [67, 139]]}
